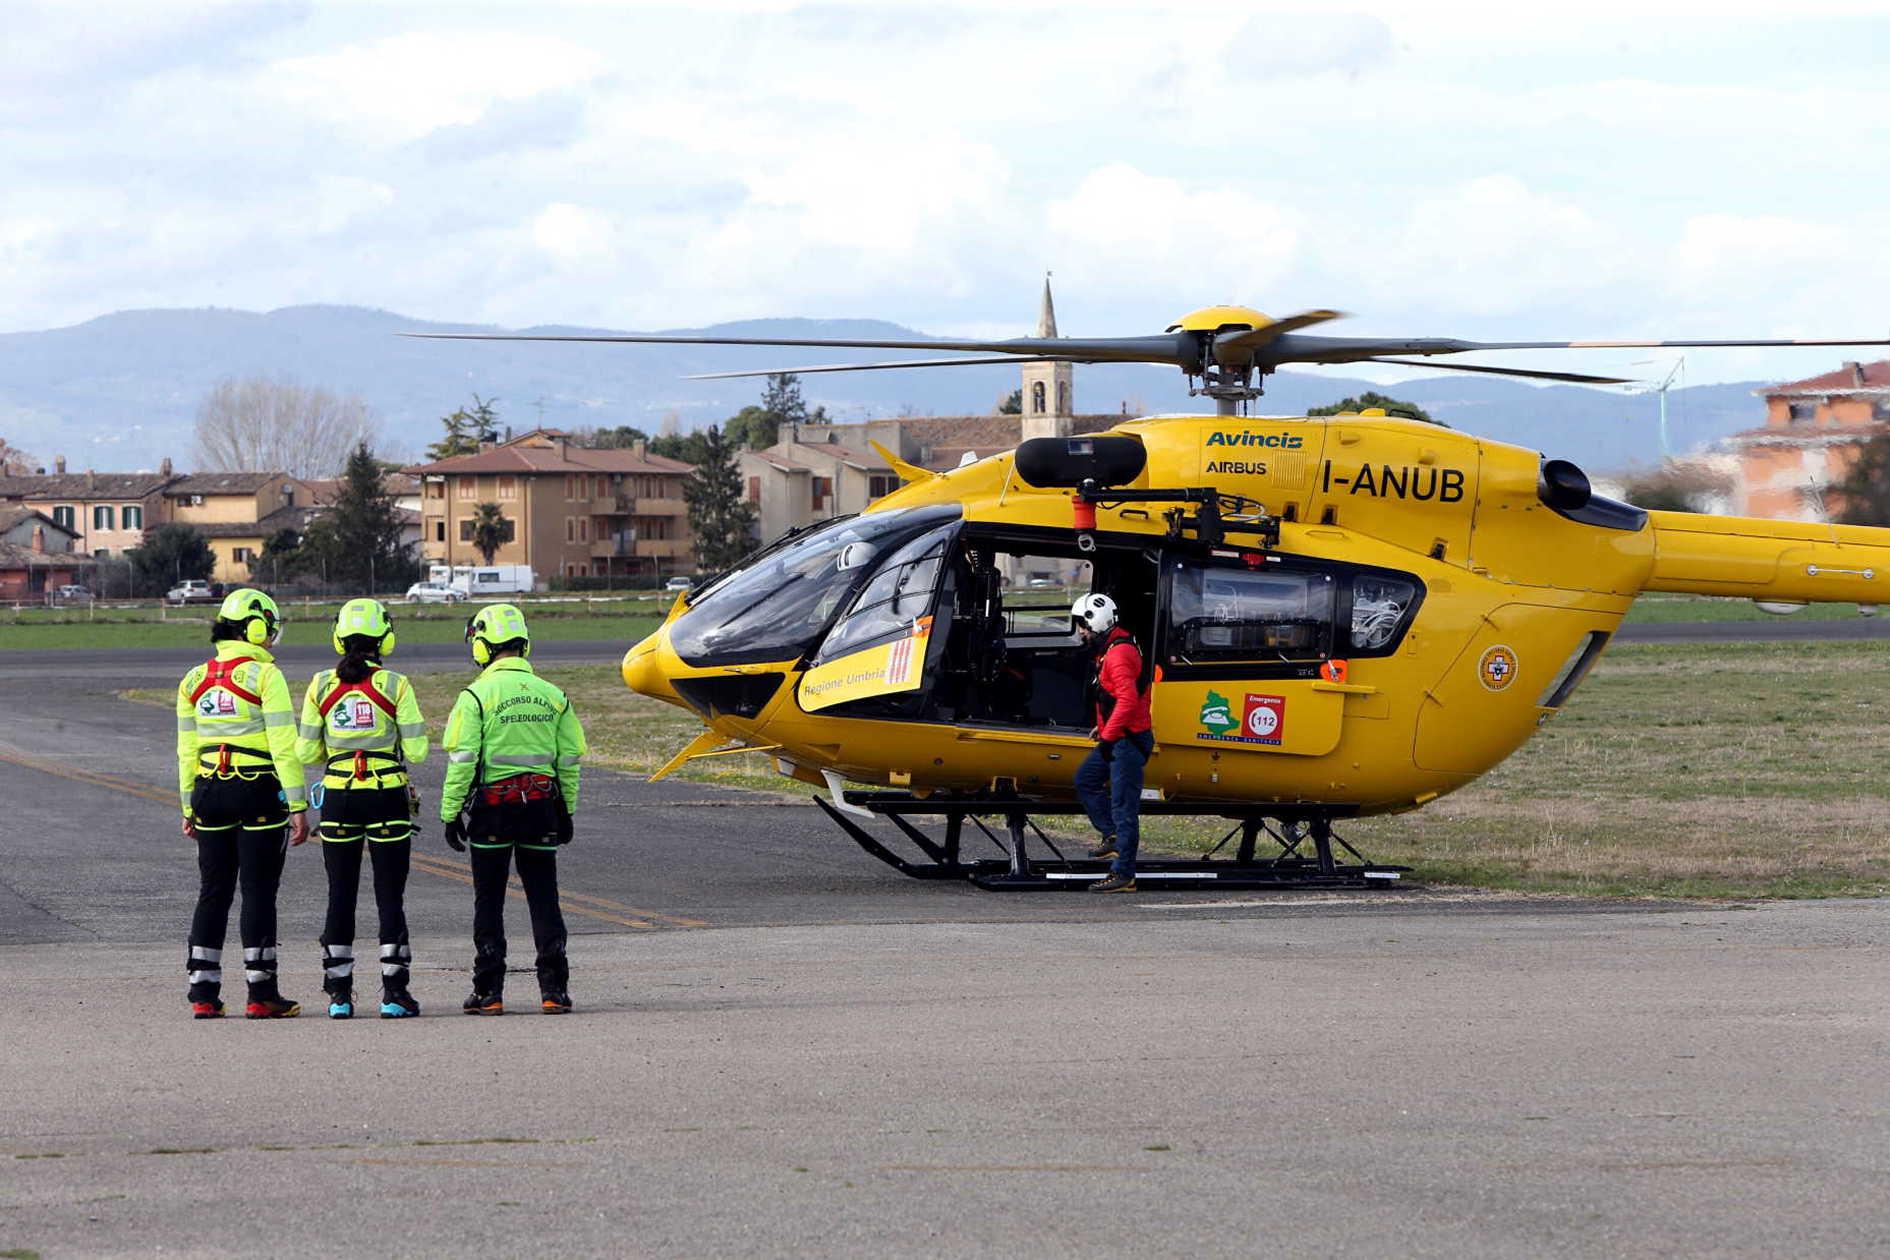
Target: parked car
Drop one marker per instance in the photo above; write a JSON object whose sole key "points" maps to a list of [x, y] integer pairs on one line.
{"points": [[70, 594], [194, 591], [434, 593], [677, 584]]}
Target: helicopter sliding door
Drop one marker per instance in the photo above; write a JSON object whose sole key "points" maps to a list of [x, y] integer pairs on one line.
{"points": [[1248, 642]]}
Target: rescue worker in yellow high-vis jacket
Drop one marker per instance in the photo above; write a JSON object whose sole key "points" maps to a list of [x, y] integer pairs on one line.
{"points": [[512, 746], [361, 721], [243, 797]]}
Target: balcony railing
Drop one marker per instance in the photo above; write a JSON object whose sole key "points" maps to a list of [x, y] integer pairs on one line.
{"points": [[633, 505]]}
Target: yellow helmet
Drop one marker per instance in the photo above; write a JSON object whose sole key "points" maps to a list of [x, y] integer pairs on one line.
{"points": [[493, 626], [366, 617], [255, 612]]}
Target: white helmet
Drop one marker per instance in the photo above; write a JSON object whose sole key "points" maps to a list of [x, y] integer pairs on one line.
{"points": [[1098, 612]]}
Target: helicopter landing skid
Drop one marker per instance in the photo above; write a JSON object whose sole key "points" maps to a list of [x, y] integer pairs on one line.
{"points": [[1306, 857]]}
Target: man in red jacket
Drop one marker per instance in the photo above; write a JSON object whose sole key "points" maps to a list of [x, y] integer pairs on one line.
{"points": [[1109, 782]]}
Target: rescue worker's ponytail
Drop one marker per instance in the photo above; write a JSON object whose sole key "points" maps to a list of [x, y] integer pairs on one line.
{"points": [[360, 659]]}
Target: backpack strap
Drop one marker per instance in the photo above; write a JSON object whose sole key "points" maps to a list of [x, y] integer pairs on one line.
{"points": [[365, 687]]}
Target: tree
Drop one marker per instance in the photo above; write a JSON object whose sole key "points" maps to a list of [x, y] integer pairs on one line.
{"points": [[757, 428], [261, 425], [1372, 398], [465, 430], [1012, 404], [783, 405], [621, 437], [687, 447], [490, 530], [1674, 487], [1863, 493], [721, 517], [170, 554], [15, 462], [362, 530]]}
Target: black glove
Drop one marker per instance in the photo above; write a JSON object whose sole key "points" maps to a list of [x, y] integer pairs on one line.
{"points": [[567, 830], [1107, 748], [456, 835]]}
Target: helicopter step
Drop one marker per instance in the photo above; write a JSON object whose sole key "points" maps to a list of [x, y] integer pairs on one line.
{"points": [[1302, 852]]}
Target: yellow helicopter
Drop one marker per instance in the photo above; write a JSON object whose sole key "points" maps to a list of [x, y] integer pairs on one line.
{"points": [[1342, 616]]}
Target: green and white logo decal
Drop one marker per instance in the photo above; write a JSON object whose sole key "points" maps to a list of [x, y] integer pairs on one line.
{"points": [[1215, 714]]}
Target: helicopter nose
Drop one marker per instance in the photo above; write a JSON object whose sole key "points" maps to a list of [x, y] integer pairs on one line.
{"points": [[643, 670]]}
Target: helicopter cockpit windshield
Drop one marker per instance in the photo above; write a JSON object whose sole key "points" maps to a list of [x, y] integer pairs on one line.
{"points": [[781, 603]]}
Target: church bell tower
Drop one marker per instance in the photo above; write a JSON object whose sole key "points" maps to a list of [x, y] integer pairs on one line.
{"points": [[1049, 391]]}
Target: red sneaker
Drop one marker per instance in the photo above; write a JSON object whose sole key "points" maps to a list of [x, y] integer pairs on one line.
{"points": [[273, 1008], [206, 1010]]}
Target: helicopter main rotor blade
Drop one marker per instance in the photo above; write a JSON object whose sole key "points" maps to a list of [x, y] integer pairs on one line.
{"points": [[1579, 378], [1178, 349], [1296, 348], [1232, 348], [874, 367]]}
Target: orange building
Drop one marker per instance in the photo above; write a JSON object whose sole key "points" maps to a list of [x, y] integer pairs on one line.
{"points": [[1813, 429]]}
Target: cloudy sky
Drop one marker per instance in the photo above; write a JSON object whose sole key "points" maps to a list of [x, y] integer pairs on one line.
{"points": [[1445, 169]]}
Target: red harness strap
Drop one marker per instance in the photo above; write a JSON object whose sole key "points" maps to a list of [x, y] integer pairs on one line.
{"points": [[519, 789], [223, 674], [366, 688]]}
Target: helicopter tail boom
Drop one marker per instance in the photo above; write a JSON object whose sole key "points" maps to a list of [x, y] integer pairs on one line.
{"points": [[1784, 561]]}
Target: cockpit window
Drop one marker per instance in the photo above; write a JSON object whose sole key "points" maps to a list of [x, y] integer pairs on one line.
{"points": [[899, 592], [783, 601]]}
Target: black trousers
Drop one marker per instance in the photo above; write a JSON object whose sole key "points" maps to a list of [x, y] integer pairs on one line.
{"points": [[342, 860], [538, 872], [242, 838]]}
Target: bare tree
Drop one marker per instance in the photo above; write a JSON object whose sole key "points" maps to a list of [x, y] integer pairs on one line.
{"points": [[14, 462], [261, 425]]}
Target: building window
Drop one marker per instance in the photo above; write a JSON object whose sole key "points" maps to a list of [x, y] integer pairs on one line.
{"points": [[584, 529], [132, 518], [570, 529], [823, 490], [62, 516], [879, 485], [102, 516], [465, 530], [1801, 412], [465, 487], [1036, 398], [508, 487], [436, 489], [241, 555], [1063, 398], [439, 530], [101, 553], [600, 486], [754, 489], [1880, 409]]}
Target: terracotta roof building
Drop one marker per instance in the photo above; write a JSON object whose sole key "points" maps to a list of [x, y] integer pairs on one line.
{"points": [[37, 554], [107, 513], [570, 511], [1812, 432]]}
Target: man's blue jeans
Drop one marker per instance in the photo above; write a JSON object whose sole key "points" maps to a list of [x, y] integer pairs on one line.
{"points": [[1111, 792]]}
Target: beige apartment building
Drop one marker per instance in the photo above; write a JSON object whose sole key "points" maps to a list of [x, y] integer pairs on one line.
{"points": [[569, 511], [237, 512], [107, 513]]}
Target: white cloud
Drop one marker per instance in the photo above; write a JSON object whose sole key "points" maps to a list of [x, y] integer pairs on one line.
{"points": [[1124, 230], [403, 87], [575, 235]]}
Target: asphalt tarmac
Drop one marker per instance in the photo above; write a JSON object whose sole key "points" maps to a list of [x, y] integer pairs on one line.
{"points": [[783, 1047]]}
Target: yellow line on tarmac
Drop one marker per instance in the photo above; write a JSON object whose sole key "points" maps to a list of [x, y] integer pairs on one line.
{"points": [[46, 765], [131, 787]]}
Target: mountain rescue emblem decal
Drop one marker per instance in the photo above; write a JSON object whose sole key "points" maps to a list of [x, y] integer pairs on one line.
{"points": [[1497, 669]]}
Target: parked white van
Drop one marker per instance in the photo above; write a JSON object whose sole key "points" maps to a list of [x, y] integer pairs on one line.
{"points": [[481, 580]]}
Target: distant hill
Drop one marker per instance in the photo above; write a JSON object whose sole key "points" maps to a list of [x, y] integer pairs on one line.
{"points": [[121, 391]]}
